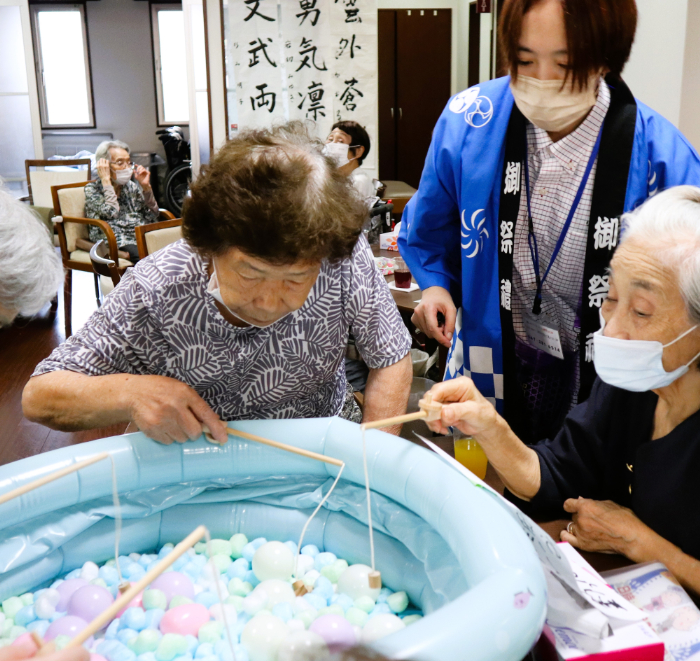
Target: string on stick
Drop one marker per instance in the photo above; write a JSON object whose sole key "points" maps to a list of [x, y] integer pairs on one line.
{"points": [[215, 575], [318, 507]]}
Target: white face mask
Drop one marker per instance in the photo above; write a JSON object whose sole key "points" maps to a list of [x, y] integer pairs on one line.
{"points": [[214, 291], [550, 107], [634, 365], [123, 176], [338, 151]]}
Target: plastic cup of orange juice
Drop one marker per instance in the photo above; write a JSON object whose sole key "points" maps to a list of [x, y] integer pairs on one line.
{"points": [[469, 453]]}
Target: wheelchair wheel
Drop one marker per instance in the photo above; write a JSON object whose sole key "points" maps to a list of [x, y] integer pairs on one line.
{"points": [[177, 183]]}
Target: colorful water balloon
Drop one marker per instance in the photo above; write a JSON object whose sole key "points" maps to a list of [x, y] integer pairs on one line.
{"points": [[89, 601], [300, 645], [66, 590], [173, 583], [185, 620], [273, 560], [335, 630], [69, 625], [354, 582], [263, 636], [379, 626], [277, 592]]}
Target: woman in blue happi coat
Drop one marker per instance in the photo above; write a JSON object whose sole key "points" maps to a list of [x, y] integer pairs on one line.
{"points": [[517, 214]]}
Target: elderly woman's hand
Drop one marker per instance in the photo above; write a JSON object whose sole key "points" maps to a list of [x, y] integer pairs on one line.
{"points": [[606, 527], [104, 172], [464, 407], [143, 176]]}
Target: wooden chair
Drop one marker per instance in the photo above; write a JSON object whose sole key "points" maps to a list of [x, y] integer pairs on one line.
{"points": [[72, 227], [399, 193], [40, 180], [153, 237], [105, 268]]}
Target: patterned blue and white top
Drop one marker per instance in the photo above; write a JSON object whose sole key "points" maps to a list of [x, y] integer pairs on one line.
{"points": [[161, 320]]}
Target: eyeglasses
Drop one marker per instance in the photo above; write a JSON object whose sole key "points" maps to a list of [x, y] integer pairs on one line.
{"points": [[121, 163]]}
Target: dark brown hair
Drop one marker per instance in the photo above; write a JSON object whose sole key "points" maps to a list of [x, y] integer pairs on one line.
{"points": [[274, 196], [599, 34], [358, 135]]}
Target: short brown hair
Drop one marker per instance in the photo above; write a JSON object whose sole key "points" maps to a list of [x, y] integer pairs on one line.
{"points": [[358, 134], [272, 194], [599, 34]]}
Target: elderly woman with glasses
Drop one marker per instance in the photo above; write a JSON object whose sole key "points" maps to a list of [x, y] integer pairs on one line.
{"points": [[116, 198], [626, 462]]}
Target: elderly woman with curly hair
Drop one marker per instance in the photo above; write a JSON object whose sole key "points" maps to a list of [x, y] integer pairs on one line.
{"points": [[626, 461], [247, 317]]}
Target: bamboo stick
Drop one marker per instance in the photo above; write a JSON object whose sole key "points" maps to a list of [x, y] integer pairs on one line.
{"points": [[107, 615], [398, 420], [277, 444], [19, 491], [429, 411]]}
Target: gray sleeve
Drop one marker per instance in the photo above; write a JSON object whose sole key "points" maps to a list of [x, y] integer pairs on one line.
{"points": [[120, 337], [101, 202], [380, 334], [151, 203]]}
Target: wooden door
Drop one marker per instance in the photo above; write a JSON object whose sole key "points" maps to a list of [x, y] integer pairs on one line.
{"points": [[474, 46], [423, 58], [420, 75], [386, 97]]}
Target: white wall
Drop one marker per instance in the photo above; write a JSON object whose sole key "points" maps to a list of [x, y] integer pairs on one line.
{"points": [[655, 70], [122, 72], [690, 98]]}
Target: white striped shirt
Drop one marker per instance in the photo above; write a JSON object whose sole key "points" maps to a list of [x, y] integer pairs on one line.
{"points": [[556, 172]]}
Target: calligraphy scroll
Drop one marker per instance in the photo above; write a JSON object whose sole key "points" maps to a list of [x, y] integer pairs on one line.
{"points": [[313, 60]]}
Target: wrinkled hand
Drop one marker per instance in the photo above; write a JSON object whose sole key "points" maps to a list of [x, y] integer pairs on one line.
{"points": [[464, 407], [168, 410], [606, 527], [143, 176], [26, 649], [103, 170], [425, 316]]}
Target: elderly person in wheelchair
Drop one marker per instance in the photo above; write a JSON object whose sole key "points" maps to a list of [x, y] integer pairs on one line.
{"points": [[119, 200], [625, 464]]}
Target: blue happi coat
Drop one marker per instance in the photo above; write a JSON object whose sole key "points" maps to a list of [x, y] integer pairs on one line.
{"points": [[449, 233]]}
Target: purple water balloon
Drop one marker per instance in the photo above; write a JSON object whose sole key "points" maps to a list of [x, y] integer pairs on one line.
{"points": [[89, 601], [335, 630], [172, 583], [68, 625], [66, 590]]}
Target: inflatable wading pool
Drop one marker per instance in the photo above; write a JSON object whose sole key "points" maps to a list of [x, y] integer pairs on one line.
{"points": [[450, 545]]}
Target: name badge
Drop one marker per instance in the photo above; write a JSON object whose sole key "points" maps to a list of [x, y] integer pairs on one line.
{"points": [[543, 337]]}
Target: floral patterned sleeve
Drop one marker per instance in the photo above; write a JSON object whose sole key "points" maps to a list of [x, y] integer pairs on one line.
{"points": [[96, 204]]}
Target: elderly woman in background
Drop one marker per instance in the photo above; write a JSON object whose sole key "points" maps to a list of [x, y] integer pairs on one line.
{"points": [[30, 269], [247, 318], [119, 200], [626, 461]]}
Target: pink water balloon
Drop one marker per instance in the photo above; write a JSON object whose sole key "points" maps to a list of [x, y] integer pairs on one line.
{"points": [[335, 630], [89, 601], [66, 590], [97, 657], [174, 583], [185, 619], [68, 625]]}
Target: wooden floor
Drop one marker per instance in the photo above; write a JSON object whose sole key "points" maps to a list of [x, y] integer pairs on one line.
{"points": [[22, 347]]}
